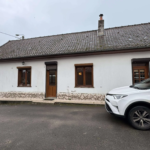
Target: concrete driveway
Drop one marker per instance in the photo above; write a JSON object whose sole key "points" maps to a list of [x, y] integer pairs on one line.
{"points": [[66, 127]]}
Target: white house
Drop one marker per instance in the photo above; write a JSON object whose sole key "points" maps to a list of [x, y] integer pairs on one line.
{"points": [[83, 65]]}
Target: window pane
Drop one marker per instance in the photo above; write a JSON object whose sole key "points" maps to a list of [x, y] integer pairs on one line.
{"points": [[79, 76], [28, 77], [23, 74], [52, 78], [136, 76], [142, 75], [88, 75]]}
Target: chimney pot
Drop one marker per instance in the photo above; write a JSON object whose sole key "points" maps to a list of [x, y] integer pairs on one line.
{"points": [[101, 16]]}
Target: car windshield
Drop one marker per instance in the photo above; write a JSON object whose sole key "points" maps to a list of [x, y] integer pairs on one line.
{"points": [[145, 84]]}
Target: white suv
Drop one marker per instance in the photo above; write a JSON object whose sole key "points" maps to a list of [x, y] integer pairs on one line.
{"points": [[132, 102]]}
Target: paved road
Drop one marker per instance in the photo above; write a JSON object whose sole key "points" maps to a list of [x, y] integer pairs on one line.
{"points": [[66, 127]]}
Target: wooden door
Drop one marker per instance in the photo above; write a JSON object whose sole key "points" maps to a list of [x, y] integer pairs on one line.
{"points": [[140, 73], [51, 83]]}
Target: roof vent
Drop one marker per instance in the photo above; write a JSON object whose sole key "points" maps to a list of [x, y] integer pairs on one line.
{"points": [[100, 26]]}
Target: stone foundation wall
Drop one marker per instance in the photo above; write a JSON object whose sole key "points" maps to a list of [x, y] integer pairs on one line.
{"points": [[61, 96], [23, 95], [81, 96]]}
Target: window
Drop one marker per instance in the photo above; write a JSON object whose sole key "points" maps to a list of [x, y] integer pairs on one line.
{"points": [[52, 77], [140, 72], [24, 76], [83, 75]]}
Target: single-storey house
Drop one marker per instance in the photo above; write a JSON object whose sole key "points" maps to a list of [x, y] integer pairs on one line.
{"points": [[75, 66]]}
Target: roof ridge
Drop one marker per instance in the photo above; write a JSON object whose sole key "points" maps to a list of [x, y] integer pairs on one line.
{"points": [[56, 35], [128, 25], [4, 44], [80, 32]]}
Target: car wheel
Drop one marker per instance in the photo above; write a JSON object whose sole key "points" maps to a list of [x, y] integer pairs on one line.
{"points": [[139, 117]]}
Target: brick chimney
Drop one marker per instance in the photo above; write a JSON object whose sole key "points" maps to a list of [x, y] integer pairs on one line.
{"points": [[100, 26]]}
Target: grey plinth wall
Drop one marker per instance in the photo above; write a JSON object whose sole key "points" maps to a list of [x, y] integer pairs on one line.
{"points": [[81, 96], [61, 96], [23, 95]]}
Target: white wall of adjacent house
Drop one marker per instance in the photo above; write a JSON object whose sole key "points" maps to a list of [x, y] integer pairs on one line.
{"points": [[109, 71]]}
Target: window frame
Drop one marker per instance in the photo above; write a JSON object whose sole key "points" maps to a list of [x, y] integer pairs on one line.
{"points": [[19, 77], [145, 68], [84, 76]]}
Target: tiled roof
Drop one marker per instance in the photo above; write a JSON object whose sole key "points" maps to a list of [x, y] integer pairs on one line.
{"points": [[125, 37]]}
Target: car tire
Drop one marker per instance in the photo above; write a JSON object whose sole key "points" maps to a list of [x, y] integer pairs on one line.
{"points": [[139, 117]]}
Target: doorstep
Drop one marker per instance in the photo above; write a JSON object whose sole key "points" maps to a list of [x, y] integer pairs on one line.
{"points": [[50, 98]]}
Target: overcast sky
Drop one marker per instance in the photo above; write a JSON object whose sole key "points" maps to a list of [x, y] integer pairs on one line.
{"points": [[35, 18]]}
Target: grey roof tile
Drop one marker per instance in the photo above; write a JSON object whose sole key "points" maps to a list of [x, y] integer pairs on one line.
{"points": [[134, 36]]}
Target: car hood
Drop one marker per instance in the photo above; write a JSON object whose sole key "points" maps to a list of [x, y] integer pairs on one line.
{"points": [[125, 90]]}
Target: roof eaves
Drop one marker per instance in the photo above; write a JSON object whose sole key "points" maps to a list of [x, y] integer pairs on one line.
{"points": [[83, 52]]}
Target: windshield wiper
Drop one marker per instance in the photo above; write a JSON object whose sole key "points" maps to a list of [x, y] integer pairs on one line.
{"points": [[141, 88], [137, 88]]}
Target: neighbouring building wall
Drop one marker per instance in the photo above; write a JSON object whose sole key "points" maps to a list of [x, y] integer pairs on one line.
{"points": [[109, 71]]}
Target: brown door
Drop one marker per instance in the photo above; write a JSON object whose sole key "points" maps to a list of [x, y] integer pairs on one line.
{"points": [[51, 83], [140, 73]]}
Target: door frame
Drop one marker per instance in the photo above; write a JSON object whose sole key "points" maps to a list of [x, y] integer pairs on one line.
{"points": [[48, 64]]}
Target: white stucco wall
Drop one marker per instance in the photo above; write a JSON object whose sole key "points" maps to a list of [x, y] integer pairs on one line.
{"points": [[110, 71]]}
